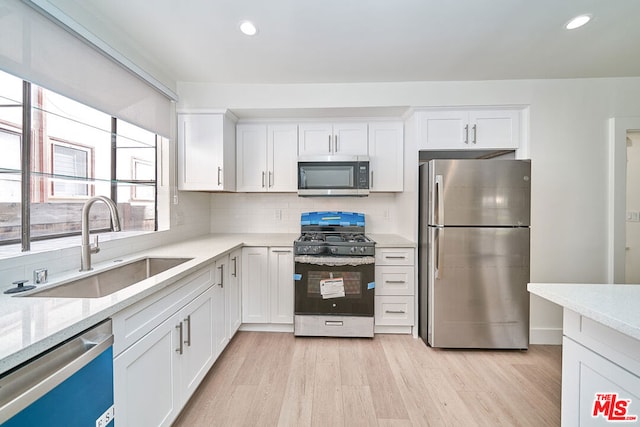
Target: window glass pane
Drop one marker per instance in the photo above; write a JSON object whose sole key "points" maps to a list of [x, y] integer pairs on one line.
{"points": [[136, 175], [10, 177], [73, 162], [74, 156], [70, 161], [10, 183]]}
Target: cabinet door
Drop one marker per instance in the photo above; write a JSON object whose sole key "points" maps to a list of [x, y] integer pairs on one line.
{"points": [[255, 285], [443, 130], [206, 152], [232, 294], [220, 329], [251, 150], [281, 284], [350, 139], [144, 379], [386, 156], [282, 158], [197, 341], [494, 128], [200, 156], [585, 374], [315, 138]]}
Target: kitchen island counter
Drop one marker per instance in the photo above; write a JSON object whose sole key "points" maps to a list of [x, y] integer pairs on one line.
{"points": [[600, 351], [31, 325], [615, 306]]}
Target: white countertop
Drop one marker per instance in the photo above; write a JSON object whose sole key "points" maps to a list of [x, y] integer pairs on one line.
{"points": [[391, 240], [615, 306], [29, 326]]}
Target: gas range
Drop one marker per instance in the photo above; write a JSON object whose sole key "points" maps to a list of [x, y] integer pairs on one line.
{"points": [[333, 233], [335, 276]]}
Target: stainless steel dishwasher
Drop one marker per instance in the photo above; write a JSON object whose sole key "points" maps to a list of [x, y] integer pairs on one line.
{"points": [[69, 385]]}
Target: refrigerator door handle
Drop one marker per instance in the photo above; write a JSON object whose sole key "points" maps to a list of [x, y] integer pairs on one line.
{"points": [[438, 232], [439, 205]]}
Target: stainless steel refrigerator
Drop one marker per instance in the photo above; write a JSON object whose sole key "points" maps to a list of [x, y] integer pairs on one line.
{"points": [[474, 253]]}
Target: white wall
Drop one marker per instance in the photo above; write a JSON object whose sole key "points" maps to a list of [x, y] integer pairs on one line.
{"points": [[632, 254], [568, 147]]}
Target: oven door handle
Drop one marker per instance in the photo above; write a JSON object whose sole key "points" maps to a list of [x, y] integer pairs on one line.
{"points": [[332, 261]]}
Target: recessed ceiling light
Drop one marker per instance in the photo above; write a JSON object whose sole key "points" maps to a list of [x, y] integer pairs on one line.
{"points": [[577, 22], [248, 28]]}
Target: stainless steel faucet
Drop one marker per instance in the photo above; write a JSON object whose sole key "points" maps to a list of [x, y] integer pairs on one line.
{"points": [[87, 248]]}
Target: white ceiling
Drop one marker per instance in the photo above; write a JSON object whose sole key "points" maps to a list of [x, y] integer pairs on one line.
{"points": [[306, 41]]}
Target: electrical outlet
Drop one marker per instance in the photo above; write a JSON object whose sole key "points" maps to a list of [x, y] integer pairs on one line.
{"points": [[633, 216], [278, 214]]}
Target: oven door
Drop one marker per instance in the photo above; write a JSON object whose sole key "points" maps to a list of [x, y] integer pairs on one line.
{"points": [[326, 285]]}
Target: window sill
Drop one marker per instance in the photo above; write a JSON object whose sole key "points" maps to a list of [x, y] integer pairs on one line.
{"points": [[11, 251]]}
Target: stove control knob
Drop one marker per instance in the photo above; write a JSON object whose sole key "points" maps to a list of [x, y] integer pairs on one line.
{"points": [[363, 249], [333, 250], [353, 249]]}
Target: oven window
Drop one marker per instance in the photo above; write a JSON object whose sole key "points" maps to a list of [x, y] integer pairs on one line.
{"points": [[352, 282]]}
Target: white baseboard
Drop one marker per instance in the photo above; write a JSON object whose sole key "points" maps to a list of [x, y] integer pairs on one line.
{"points": [[267, 327], [384, 329], [547, 336]]}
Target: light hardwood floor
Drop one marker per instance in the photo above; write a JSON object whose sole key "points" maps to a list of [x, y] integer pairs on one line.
{"points": [[276, 379]]}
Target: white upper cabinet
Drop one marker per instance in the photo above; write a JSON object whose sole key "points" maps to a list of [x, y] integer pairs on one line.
{"points": [[267, 156], [469, 129], [206, 152], [348, 138], [386, 156]]}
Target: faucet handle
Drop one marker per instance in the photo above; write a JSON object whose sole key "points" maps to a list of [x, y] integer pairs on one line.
{"points": [[95, 248]]}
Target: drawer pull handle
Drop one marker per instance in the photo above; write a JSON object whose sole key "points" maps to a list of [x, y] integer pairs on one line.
{"points": [[333, 323], [395, 311], [187, 320], [395, 281], [180, 349], [395, 257]]}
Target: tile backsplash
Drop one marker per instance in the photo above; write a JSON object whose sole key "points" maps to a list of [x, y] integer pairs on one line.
{"points": [[280, 212]]}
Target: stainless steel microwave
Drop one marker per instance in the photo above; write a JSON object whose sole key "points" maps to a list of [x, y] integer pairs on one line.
{"points": [[333, 176]]}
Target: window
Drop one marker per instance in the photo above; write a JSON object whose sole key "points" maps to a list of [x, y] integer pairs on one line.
{"points": [[74, 152], [70, 162]]}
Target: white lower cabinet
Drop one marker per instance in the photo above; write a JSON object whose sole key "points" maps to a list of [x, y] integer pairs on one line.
{"points": [[395, 290], [267, 285], [600, 374], [165, 345], [233, 293], [144, 379], [281, 285], [220, 330]]}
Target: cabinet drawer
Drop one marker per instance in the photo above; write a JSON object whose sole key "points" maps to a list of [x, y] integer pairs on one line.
{"points": [[394, 280], [395, 256], [132, 323], [394, 310]]}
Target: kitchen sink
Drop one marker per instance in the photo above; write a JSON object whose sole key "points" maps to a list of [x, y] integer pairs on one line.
{"points": [[109, 281]]}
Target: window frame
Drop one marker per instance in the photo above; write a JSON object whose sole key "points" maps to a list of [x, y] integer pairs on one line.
{"points": [[53, 142], [46, 148]]}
